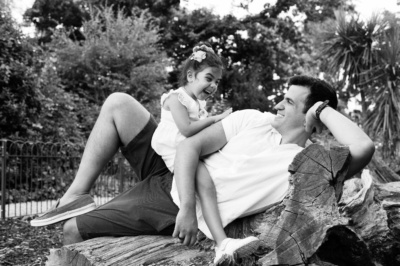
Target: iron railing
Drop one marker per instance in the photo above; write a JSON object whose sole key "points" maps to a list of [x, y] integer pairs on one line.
{"points": [[35, 174]]}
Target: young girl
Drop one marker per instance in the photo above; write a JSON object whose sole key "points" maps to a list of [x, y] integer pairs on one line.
{"points": [[183, 115], [183, 111]]}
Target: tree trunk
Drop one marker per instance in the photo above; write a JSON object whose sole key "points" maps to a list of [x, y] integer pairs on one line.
{"points": [[374, 214], [306, 228]]}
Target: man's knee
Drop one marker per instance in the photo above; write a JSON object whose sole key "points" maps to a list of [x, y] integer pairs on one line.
{"points": [[119, 103], [117, 100], [71, 232], [127, 115]]}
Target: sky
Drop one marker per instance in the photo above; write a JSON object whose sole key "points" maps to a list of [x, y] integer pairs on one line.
{"points": [[224, 7]]}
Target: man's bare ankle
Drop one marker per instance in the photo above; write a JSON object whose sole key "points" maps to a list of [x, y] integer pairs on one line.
{"points": [[67, 198]]}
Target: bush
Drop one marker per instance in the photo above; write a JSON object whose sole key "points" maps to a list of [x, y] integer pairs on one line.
{"points": [[19, 104], [119, 54]]}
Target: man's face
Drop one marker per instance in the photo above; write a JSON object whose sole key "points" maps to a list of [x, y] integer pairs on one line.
{"points": [[290, 110]]}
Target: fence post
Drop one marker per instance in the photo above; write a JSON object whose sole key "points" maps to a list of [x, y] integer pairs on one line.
{"points": [[3, 178]]}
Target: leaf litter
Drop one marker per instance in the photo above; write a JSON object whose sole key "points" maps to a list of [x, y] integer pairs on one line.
{"points": [[25, 245]]}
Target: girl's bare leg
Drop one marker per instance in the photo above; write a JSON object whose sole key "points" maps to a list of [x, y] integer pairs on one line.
{"points": [[208, 199]]}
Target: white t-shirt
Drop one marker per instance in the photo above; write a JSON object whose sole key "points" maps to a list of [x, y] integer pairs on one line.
{"points": [[251, 171]]}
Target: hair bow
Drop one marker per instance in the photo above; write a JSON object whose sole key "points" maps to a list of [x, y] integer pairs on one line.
{"points": [[198, 56], [203, 48]]}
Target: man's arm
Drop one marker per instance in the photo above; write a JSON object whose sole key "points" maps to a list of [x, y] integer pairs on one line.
{"points": [[347, 133], [187, 157]]}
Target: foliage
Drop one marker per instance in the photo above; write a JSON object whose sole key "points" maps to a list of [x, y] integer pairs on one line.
{"points": [[49, 14], [34, 104], [366, 54], [252, 51], [261, 51], [158, 9], [119, 54], [315, 11], [64, 116], [19, 103], [22, 244], [383, 121], [350, 48]]}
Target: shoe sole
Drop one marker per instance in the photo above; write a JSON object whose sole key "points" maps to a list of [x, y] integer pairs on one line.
{"points": [[248, 249], [240, 253], [225, 260], [64, 216]]}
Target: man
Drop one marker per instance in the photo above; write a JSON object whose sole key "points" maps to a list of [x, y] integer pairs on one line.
{"points": [[149, 208]]}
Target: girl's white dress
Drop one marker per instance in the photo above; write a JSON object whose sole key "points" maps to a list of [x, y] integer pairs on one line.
{"points": [[167, 136]]}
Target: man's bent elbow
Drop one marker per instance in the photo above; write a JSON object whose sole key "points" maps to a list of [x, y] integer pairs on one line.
{"points": [[370, 149], [367, 148], [365, 152], [361, 155]]}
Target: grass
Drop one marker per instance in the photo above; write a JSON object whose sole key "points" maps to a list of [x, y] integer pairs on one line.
{"points": [[22, 244]]}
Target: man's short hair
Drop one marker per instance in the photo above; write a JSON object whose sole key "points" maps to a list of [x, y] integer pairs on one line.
{"points": [[319, 91]]}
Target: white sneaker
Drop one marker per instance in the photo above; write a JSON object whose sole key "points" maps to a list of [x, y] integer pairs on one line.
{"points": [[230, 248]]}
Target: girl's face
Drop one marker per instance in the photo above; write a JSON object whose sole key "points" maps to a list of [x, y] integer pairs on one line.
{"points": [[204, 83]]}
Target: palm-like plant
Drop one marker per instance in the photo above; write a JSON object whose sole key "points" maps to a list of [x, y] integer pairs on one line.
{"points": [[383, 120], [367, 53], [350, 53]]}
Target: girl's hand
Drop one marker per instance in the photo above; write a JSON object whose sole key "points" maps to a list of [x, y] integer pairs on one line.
{"points": [[186, 227], [223, 115]]}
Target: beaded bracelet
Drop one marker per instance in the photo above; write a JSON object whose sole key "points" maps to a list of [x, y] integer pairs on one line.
{"points": [[320, 108]]}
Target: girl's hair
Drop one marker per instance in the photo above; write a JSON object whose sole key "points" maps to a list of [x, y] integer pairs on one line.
{"points": [[198, 61]]}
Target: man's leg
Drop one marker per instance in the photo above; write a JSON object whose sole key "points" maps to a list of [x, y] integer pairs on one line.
{"points": [[120, 120], [71, 232], [145, 209]]}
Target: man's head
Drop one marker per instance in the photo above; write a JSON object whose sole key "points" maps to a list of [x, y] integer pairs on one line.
{"points": [[303, 93], [319, 91]]}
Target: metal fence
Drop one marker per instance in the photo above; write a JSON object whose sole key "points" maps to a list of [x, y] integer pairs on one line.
{"points": [[35, 175]]}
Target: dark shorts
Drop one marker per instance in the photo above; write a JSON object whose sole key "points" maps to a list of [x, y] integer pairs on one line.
{"points": [[145, 209]]}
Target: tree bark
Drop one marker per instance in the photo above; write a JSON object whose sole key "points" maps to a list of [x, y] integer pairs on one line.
{"points": [[306, 228], [373, 210]]}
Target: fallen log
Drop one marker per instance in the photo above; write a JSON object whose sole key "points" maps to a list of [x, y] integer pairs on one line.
{"points": [[373, 210], [306, 228]]}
